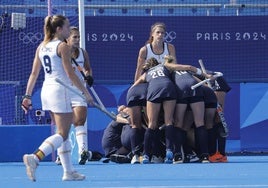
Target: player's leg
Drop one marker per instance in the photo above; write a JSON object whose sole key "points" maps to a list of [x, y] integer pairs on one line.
{"points": [[152, 110], [221, 140], [211, 101], [179, 131], [79, 119], [201, 135], [63, 122], [135, 134], [212, 133]]}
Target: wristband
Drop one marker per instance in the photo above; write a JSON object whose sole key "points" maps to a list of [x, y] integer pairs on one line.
{"points": [[198, 71], [26, 97]]}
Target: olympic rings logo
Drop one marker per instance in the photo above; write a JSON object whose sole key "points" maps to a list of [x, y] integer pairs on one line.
{"points": [[30, 37], [170, 36], [72, 138]]}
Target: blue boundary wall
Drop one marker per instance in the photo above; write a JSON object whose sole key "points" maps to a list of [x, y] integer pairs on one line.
{"points": [[225, 43], [245, 112]]}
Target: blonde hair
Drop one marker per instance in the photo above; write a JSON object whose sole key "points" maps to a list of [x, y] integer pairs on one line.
{"points": [[153, 28], [50, 26], [152, 62], [169, 59]]}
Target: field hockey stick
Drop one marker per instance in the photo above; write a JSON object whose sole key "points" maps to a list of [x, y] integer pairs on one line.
{"points": [[219, 107], [91, 88], [104, 110], [200, 61], [216, 75]]}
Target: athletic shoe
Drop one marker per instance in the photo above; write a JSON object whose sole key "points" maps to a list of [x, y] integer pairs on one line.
{"points": [[123, 159], [120, 158], [113, 158], [94, 156], [105, 160], [224, 159], [73, 176], [191, 158], [31, 165], [204, 158], [145, 159], [177, 158], [135, 159], [216, 158], [169, 157], [156, 159], [84, 157], [57, 161]]}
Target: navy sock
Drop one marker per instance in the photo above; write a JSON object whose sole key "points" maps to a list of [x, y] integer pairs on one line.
{"points": [[148, 139], [135, 140], [221, 140], [201, 136], [180, 137], [156, 148], [212, 140], [169, 137]]}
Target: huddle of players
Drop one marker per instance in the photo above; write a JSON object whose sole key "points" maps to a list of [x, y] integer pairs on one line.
{"points": [[161, 96], [167, 120]]}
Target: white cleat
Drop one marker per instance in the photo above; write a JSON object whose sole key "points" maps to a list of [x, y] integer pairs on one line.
{"points": [[31, 166], [73, 176], [135, 159]]}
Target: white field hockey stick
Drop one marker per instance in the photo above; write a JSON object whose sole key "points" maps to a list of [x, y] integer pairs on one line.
{"points": [[104, 110], [216, 75], [204, 70], [219, 107], [91, 88]]}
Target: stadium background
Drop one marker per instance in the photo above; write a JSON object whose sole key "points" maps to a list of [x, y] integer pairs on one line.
{"points": [[229, 35]]}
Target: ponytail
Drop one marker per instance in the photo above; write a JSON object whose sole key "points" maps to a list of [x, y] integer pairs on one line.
{"points": [[50, 26]]}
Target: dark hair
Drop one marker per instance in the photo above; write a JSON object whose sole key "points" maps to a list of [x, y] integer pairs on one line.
{"points": [[73, 28], [76, 50], [51, 24]]}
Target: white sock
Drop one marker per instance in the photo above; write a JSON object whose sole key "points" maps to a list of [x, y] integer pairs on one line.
{"points": [[81, 138], [51, 144], [64, 152]]}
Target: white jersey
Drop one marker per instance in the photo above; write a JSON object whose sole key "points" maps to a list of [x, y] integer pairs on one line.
{"points": [[54, 96], [52, 63], [80, 60], [158, 57], [76, 99]]}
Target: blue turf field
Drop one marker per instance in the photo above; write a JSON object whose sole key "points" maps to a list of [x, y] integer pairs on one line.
{"points": [[240, 171]]}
